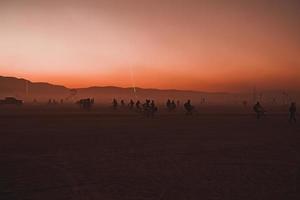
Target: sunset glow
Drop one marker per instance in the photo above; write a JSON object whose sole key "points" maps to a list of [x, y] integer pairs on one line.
{"points": [[183, 44]]}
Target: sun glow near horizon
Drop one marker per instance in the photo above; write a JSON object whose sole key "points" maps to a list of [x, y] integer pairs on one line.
{"points": [[198, 45]]}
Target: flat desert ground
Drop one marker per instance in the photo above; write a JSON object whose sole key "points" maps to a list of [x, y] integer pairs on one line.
{"points": [[56, 153]]}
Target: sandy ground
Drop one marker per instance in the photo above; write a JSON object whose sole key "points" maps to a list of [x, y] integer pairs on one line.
{"points": [[55, 153]]}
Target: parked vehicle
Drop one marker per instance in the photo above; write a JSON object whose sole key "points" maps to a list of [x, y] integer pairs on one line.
{"points": [[10, 101]]}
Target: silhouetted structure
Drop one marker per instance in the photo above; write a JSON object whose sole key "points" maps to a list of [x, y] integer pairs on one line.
{"points": [[11, 101], [189, 108], [258, 109], [86, 103], [293, 111]]}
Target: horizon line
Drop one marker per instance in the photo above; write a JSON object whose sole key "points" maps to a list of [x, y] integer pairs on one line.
{"points": [[112, 86], [146, 88]]}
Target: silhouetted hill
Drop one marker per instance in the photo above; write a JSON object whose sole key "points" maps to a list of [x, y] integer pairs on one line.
{"points": [[11, 86], [27, 90]]}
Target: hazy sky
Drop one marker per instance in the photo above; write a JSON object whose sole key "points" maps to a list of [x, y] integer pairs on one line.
{"points": [[185, 44]]}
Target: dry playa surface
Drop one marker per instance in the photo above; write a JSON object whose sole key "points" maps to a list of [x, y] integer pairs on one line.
{"points": [[62, 154]]}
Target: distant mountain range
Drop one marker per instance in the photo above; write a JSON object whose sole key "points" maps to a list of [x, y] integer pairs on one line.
{"points": [[27, 90]]}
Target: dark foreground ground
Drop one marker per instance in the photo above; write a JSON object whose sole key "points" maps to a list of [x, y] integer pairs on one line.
{"points": [[52, 154]]}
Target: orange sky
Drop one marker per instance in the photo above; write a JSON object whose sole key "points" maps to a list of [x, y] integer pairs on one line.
{"points": [[185, 44]]}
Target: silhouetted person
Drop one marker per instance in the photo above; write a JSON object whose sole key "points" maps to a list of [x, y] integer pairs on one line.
{"points": [[131, 104], [293, 111], [168, 105], [173, 105], [61, 101], [189, 108], [138, 105], [154, 108], [115, 103], [122, 103], [258, 109], [152, 104], [147, 108], [146, 105]]}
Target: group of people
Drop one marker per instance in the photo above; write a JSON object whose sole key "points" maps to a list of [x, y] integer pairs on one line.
{"points": [[171, 105], [189, 108], [260, 111], [51, 101], [149, 107]]}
